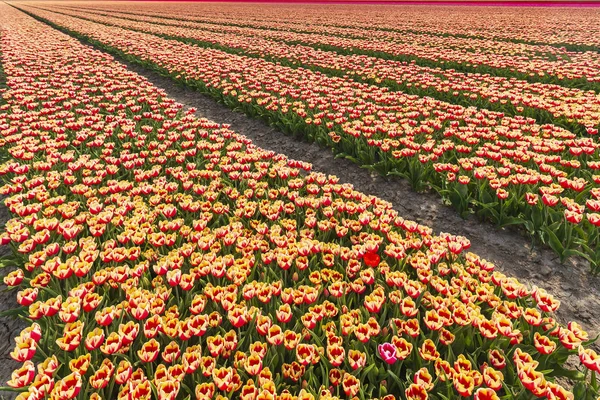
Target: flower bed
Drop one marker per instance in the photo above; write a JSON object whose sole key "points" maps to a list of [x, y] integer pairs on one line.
{"points": [[163, 256], [574, 30], [512, 170], [535, 63], [574, 109]]}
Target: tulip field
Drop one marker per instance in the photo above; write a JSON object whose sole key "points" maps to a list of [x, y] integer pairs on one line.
{"points": [[515, 151], [154, 254]]}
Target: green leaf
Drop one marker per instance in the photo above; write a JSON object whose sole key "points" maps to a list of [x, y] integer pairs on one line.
{"points": [[14, 312], [397, 380], [512, 221], [579, 391], [554, 242], [486, 206], [366, 371], [573, 252], [395, 172], [456, 200], [373, 373], [571, 374]]}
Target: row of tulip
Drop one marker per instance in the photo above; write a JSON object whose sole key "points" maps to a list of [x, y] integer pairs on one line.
{"points": [[536, 63], [164, 256], [574, 109], [574, 30], [484, 46], [2, 83], [512, 170]]}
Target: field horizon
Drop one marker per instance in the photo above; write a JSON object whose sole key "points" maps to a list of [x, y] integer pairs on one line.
{"points": [[483, 3]]}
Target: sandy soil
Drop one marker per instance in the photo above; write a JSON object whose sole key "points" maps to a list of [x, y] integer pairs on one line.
{"points": [[512, 253]]}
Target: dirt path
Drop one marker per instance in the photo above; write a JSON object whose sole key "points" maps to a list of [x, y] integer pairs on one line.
{"points": [[512, 253]]}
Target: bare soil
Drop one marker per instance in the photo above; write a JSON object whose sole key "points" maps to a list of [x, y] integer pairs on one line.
{"points": [[512, 253]]}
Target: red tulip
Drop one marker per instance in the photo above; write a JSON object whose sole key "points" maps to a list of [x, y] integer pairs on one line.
{"points": [[372, 259]]}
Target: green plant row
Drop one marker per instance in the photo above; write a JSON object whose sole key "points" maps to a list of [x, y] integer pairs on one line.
{"points": [[3, 153], [2, 80]]}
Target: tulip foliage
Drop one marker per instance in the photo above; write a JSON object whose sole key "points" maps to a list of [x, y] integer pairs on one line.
{"points": [[162, 256], [508, 169]]}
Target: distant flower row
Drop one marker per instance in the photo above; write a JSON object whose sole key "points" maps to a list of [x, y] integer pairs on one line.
{"points": [[162, 256], [513, 170], [572, 107], [542, 25], [534, 62], [577, 26]]}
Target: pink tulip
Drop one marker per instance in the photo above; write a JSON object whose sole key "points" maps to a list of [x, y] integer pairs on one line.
{"points": [[387, 352]]}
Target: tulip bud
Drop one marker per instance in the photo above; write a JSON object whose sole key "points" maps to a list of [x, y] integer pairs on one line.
{"points": [[382, 388]]}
